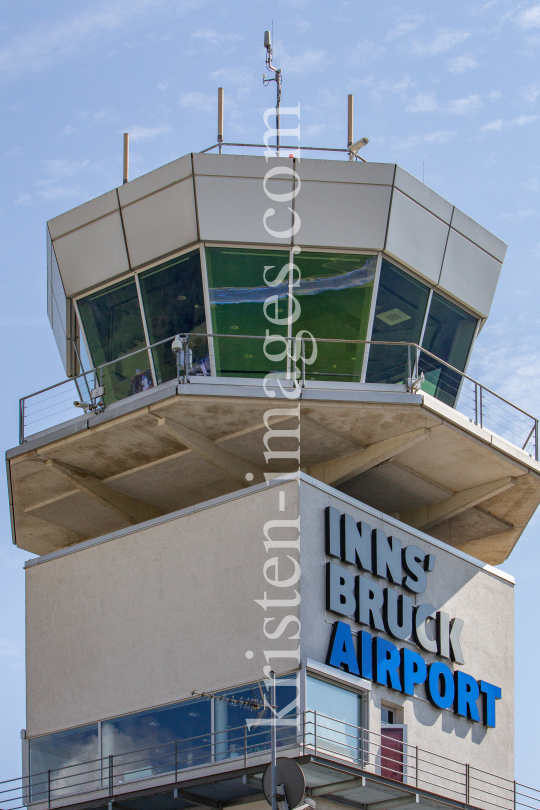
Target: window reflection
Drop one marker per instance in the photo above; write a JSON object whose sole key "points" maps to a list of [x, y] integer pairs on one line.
{"points": [[339, 717], [239, 727], [173, 302], [449, 335], [399, 316], [238, 292], [113, 325], [144, 743], [335, 293], [63, 754]]}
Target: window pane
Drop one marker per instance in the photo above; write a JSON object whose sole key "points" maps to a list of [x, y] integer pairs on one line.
{"points": [[239, 726], [449, 334], [146, 739], [113, 326], [63, 754], [399, 315], [174, 303], [339, 717], [237, 295], [335, 293]]}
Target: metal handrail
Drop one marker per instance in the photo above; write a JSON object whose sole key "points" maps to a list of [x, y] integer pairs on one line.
{"points": [[307, 731], [480, 390]]}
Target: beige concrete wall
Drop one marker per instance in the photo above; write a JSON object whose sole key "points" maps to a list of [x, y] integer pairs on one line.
{"points": [[144, 619], [461, 588]]}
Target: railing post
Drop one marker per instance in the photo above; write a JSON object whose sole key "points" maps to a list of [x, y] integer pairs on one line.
{"points": [[245, 746], [515, 795], [416, 766], [49, 788], [467, 784], [21, 421], [303, 363], [176, 760], [475, 403], [536, 439], [481, 408], [111, 774], [315, 730]]}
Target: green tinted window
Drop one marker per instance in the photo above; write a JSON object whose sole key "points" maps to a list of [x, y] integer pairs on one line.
{"points": [[399, 316], [174, 303], [449, 334], [238, 293], [334, 292], [114, 328]]}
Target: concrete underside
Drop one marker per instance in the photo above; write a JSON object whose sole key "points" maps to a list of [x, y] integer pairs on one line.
{"points": [[405, 454]]}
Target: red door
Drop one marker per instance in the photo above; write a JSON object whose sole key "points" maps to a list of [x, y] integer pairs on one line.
{"points": [[392, 753]]}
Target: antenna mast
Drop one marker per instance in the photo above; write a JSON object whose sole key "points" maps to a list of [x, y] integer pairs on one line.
{"points": [[276, 79]]}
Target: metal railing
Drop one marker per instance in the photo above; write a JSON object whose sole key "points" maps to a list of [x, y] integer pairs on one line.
{"points": [[393, 762], [303, 361]]}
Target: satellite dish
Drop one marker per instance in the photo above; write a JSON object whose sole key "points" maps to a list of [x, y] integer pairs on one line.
{"points": [[291, 776]]}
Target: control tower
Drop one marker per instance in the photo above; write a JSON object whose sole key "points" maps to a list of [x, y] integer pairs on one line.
{"points": [[268, 457]]}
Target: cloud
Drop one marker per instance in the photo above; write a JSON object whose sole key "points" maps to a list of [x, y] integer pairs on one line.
{"points": [[409, 142], [198, 101], [518, 215], [233, 76], [423, 102], [11, 652], [496, 126], [461, 63], [69, 130], [530, 18], [404, 26], [303, 62], [463, 106], [210, 35], [388, 85], [44, 45], [138, 133], [440, 44], [530, 93], [24, 199], [531, 185], [64, 168]]}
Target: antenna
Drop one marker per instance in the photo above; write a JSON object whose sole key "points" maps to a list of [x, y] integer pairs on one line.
{"points": [[126, 157], [276, 79], [350, 125], [220, 117]]}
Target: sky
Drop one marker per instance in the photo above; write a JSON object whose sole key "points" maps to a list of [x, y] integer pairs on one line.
{"points": [[450, 91]]}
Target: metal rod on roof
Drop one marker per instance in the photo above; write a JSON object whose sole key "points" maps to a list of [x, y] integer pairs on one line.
{"points": [[350, 125], [126, 157], [220, 117]]}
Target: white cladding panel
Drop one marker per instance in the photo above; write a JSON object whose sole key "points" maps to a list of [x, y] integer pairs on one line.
{"points": [[342, 215], [161, 223], [92, 254], [479, 235], [416, 237], [232, 209], [156, 180], [469, 274], [343, 171], [83, 214], [237, 165], [423, 195]]}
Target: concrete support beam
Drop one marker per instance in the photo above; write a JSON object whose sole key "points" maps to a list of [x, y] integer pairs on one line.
{"points": [[336, 787], [128, 508], [425, 517], [393, 804], [339, 470], [241, 471]]}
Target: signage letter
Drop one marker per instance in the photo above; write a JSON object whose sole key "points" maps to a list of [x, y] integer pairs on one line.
{"points": [[339, 590], [369, 601], [456, 626], [331, 524], [439, 672], [365, 653], [467, 693], [413, 563], [341, 650], [397, 612], [356, 542], [387, 552], [490, 694], [387, 664], [413, 670], [421, 616]]}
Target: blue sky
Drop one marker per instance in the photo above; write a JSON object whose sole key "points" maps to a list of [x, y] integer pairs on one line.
{"points": [[451, 90]]}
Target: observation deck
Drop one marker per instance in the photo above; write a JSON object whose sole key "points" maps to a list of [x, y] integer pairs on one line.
{"points": [[372, 309]]}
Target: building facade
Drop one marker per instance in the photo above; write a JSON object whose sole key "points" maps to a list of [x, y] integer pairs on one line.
{"points": [[275, 463]]}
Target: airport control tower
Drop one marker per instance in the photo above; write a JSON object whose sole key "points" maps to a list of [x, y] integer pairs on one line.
{"points": [[274, 510]]}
